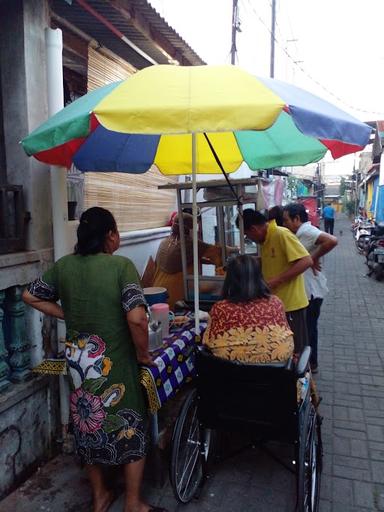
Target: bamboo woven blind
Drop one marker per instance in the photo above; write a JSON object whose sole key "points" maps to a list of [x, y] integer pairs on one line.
{"points": [[103, 69], [134, 199]]}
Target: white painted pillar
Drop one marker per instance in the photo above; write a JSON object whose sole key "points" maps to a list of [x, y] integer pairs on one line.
{"points": [[54, 52], [54, 49]]}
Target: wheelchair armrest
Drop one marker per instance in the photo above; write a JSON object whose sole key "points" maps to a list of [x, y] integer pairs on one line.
{"points": [[303, 363], [290, 364], [202, 349]]}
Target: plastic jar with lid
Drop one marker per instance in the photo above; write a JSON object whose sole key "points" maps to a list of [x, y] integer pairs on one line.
{"points": [[160, 313]]}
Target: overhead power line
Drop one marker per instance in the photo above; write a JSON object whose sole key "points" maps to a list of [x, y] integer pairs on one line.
{"points": [[305, 72]]}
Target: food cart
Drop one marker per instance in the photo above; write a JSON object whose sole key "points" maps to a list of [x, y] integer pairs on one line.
{"points": [[219, 203]]}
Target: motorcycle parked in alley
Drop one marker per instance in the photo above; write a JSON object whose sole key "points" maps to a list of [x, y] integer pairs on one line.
{"points": [[375, 252], [363, 230]]}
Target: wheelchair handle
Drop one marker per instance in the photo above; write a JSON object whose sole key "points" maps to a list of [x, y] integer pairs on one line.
{"points": [[303, 362]]}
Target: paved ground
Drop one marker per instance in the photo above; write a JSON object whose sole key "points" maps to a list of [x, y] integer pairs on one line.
{"points": [[351, 381]]}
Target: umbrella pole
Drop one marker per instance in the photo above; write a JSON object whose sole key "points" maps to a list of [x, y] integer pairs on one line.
{"points": [[195, 241]]}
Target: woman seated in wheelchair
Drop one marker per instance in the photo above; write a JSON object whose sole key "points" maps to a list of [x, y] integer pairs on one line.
{"points": [[249, 325]]}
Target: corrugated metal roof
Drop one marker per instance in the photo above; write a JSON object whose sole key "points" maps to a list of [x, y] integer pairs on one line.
{"points": [[153, 34], [160, 24]]}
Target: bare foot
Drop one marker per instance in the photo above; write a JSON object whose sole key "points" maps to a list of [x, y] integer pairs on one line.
{"points": [[136, 507], [104, 502], [142, 507]]}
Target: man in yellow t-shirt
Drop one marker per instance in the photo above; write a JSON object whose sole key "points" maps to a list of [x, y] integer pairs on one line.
{"points": [[283, 261]]}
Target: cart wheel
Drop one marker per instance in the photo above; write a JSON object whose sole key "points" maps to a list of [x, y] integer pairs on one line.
{"points": [[189, 451], [310, 462]]}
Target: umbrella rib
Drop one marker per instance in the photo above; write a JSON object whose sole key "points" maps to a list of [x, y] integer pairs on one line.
{"points": [[216, 157]]}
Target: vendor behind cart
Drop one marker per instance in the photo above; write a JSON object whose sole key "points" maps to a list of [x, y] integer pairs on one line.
{"points": [[169, 272]]}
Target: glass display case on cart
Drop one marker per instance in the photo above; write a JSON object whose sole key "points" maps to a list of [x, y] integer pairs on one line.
{"points": [[218, 207]]}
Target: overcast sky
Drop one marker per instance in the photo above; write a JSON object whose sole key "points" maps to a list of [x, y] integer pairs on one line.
{"points": [[338, 43]]}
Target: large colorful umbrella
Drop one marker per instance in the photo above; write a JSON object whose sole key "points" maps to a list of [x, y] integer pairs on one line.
{"points": [[149, 118], [186, 119]]}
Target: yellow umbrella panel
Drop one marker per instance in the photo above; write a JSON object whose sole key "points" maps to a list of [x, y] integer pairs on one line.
{"points": [[189, 99], [174, 154]]}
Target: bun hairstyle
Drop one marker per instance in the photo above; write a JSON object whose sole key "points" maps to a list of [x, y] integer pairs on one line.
{"points": [[95, 224], [276, 213]]}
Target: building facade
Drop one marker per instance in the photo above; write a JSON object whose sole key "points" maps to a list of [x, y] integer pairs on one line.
{"points": [[103, 41]]}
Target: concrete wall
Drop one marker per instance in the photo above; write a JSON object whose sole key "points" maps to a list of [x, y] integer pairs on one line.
{"points": [[135, 245], [27, 428], [3, 174], [139, 245], [18, 270], [28, 410], [23, 84]]}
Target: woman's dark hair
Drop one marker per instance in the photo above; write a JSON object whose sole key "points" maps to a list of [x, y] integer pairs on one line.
{"points": [[95, 224], [296, 210], [244, 281], [276, 213]]}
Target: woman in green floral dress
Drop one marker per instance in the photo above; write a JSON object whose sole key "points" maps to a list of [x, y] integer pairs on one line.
{"points": [[103, 306]]}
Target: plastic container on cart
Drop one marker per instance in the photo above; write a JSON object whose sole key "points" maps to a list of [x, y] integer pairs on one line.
{"points": [[155, 294], [155, 340], [161, 315]]}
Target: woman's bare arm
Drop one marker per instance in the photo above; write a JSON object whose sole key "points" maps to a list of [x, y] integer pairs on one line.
{"points": [[138, 325], [45, 306]]}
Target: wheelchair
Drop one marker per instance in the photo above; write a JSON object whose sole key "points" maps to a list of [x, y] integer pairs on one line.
{"points": [[257, 399]]}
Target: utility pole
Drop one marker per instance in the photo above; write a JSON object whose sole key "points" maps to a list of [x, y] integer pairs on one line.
{"points": [[273, 29], [235, 29]]}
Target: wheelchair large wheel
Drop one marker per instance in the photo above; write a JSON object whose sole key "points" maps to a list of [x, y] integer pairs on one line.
{"points": [[189, 452], [310, 462]]}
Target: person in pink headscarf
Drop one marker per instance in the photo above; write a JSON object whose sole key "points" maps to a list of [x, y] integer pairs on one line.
{"points": [[171, 218]]}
